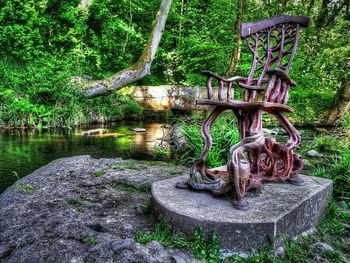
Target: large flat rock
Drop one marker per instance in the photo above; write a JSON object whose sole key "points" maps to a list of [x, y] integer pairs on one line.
{"points": [[81, 209], [280, 209]]}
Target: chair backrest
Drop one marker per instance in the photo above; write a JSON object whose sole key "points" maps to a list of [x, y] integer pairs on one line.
{"points": [[273, 43]]}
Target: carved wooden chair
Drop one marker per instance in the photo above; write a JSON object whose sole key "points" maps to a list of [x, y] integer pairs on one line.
{"points": [[256, 158]]}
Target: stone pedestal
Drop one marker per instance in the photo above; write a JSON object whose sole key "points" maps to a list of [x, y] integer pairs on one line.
{"points": [[280, 209]]}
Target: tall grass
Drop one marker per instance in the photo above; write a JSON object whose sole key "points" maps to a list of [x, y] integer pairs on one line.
{"points": [[338, 170], [223, 131]]}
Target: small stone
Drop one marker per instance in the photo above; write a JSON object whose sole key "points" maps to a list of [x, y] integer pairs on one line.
{"points": [[279, 252], [87, 183], [314, 154], [87, 76], [177, 139], [138, 129], [122, 244], [324, 247], [347, 226], [276, 131], [307, 164]]}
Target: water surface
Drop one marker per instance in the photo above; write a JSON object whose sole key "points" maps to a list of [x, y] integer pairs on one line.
{"points": [[24, 150]]}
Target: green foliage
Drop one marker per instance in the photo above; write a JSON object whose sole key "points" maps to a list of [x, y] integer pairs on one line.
{"points": [[15, 174], [91, 240], [40, 93], [224, 133], [161, 152], [163, 235], [130, 188], [338, 171], [345, 122], [46, 42], [25, 189], [125, 165], [337, 166], [76, 204], [206, 250], [100, 172]]}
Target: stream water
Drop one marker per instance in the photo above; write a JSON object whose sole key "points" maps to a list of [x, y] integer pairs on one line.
{"points": [[24, 150]]}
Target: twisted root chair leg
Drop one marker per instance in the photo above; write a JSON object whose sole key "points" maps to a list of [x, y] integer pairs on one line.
{"points": [[239, 169], [200, 177]]}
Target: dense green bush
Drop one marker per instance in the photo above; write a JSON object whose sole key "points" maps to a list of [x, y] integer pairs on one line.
{"points": [[46, 42], [41, 93]]}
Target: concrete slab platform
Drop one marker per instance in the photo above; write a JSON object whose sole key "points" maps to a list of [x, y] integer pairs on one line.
{"points": [[280, 209]]}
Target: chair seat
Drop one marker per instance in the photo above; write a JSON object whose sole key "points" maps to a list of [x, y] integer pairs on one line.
{"points": [[241, 105]]}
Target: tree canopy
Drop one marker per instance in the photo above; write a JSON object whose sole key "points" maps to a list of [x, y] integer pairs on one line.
{"points": [[46, 42]]}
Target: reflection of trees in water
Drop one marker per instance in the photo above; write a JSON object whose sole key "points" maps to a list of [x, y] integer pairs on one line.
{"points": [[153, 136], [24, 150]]}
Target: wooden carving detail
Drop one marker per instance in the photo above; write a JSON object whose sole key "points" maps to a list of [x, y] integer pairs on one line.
{"points": [[255, 159]]}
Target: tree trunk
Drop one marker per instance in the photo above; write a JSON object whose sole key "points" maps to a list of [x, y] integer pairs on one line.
{"points": [[323, 14], [310, 6], [236, 56], [181, 19], [341, 105], [138, 70]]}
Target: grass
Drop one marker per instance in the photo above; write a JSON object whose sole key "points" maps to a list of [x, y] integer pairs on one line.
{"points": [[100, 172], [91, 240], [75, 204], [159, 163], [161, 152], [338, 170], [147, 207], [130, 188], [25, 189], [224, 133], [15, 174], [204, 249], [125, 165]]}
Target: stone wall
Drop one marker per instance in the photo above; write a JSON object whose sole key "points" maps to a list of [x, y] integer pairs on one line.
{"points": [[168, 97]]}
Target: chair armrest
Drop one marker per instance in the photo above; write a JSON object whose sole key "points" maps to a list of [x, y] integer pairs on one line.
{"points": [[213, 75], [282, 75]]}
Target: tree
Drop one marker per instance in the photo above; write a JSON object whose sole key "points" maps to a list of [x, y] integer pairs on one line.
{"points": [[138, 70], [236, 55], [337, 54]]}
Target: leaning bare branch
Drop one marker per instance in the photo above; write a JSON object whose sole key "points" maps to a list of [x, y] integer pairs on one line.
{"points": [[141, 68]]}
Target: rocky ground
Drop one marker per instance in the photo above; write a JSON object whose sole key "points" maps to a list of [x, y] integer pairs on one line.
{"points": [[81, 209]]}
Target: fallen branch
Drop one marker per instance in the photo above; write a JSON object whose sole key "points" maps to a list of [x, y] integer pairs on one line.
{"points": [[138, 70]]}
